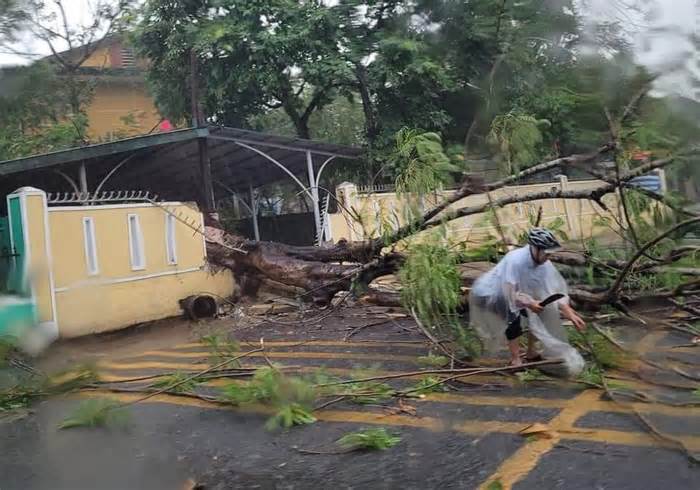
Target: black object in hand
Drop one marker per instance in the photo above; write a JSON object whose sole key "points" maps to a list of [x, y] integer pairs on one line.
{"points": [[551, 299]]}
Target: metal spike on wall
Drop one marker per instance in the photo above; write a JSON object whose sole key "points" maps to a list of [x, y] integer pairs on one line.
{"points": [[80, 198], [98, 198]]}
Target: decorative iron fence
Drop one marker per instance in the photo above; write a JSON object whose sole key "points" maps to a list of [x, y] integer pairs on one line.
{"points": [[86, 198]]}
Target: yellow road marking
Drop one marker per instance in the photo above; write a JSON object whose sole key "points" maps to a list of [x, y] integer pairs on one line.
{"points": [[117, 366], [466, 399], [284, 355], [190, 368], [593, 406], [470, 427], [320, 343], [627, 438], [649, 342], [533, 402], [524, 460]]}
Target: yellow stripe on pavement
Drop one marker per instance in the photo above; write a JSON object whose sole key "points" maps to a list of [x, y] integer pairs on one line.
{"points": [[465, 399], [593, 406], [320, 343], [284, 355], [524, 460], [471, 427]]}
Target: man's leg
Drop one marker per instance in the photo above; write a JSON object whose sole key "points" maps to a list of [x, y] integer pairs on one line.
{"points": [[514, 348], [513, 333]]}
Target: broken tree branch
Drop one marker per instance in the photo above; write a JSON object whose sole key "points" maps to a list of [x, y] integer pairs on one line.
{"points": [[473, 186], [362, 327], [458, 372], [607, 337], [190, 378], [432, 338], [650, 194], [612, 292]]}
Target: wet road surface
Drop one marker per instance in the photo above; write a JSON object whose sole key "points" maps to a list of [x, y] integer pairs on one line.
{"points": [[466, 438]]}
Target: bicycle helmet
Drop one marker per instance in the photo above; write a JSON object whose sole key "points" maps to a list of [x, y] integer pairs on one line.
{"points": [[542, 238]]}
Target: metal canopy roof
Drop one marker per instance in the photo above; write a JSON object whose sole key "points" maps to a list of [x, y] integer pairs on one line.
{"points": [[168, 163]]}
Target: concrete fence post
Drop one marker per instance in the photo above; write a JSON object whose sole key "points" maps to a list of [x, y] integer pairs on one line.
{"points": [[347, 197], [570, 215], [30, 237]]}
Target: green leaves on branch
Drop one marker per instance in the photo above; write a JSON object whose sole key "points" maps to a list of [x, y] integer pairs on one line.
{"points": [[431, 284], [21, 389], [96, 412], [603, 351], [291, 397], [35, 114], [518, 138], [177, 382], [369, 439], [428, 384], [367, 392], [221, 348], [252, 57], [433, 361], [289, 416], [419, 162]]}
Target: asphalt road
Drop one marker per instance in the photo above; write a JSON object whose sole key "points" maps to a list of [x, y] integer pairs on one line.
{"points": [[466, 438]]}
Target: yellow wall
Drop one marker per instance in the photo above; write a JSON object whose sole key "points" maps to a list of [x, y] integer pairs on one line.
{"points": [[113, 101], [381, 210], [111, 231], [108, 307], [117, 296], [117, 93], [102, 58]]}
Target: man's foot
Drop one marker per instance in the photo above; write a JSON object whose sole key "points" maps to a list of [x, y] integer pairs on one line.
{"points": [[532, 356], [515, 362]]}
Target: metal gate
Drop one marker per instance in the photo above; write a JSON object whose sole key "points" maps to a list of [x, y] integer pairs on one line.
{"points": [[17, 309], [13, 273]]}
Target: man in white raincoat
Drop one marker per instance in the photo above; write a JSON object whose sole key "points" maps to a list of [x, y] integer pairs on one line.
{"points": [[512, 292]]}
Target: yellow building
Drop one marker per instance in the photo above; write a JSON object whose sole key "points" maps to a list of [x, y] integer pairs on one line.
{"points": [[99, 268], [121, 105]]}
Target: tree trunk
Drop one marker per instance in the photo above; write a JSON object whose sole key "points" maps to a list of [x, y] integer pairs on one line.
{"points": [[320, 272], [371, 121]]}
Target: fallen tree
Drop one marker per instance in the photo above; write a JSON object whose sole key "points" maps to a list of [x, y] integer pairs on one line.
{"points": [[322, 272], [318, 273]]}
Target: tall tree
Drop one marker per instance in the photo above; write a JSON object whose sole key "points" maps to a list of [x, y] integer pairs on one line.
{"points": [[33, 112], [250, 56]]}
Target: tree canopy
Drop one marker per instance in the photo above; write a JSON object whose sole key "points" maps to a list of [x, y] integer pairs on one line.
{"points": [[469, 70], [501, 81]]}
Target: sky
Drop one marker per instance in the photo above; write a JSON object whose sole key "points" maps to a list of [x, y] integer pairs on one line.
{"points": [[661, 41]]}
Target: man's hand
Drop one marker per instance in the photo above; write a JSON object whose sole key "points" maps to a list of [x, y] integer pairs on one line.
{"points": [[578, 322], [570, 314], [535, 307]]}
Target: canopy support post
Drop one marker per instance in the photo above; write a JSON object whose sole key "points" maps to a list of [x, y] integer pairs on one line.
{"points": [[205, 173], [82, 173], [254, 212], [314, 197]]}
